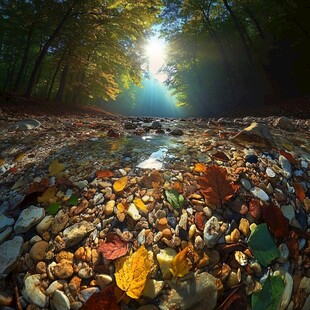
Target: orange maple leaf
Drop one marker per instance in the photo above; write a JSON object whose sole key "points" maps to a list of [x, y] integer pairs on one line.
{"points": [[215, 186]]}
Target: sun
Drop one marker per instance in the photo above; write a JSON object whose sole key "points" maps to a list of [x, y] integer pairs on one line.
{"points": [[155, 50]]}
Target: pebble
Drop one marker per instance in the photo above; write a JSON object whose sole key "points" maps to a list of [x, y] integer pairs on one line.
{"points": [[28, 218], [60, 301], [244, 227], [88, 292], [26, 124], [75, 233], [133, 212], [5, 222], [177, 132], [202, 287], [288, 211], [270, 173], [59, 222], [164, 258], [246, 184], [211, 232], [286, 166], [5, 233], [103, 280], [152, 288], [82, 184], [45, 224], [259, 193], [38, 250], [63, 269], [32, 291], [10, 252], [109, 207]]}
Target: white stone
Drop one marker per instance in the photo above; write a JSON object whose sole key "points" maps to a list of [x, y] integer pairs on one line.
{"points": [[288, 211], [28, 218], [25, 124], [10, 252], [88, 292], [246, 184], [45, 224], [55, 285], [103, 280], [270, 173], [259, 193], [32, 291], [286, 166], [75, 233], [82, 184], [133, 212], [60, 301], [211, 232], [152, 288]]}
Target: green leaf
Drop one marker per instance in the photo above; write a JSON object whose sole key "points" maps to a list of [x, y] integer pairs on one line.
{"points": [[262, 245], [269, 297], [174, 198], [53, 208], [74, 199]]}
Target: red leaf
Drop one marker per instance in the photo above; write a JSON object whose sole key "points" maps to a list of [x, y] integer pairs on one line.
{"points": [[255, 208], [276, 221], [105, 300], [289, 157], [300, 192], [114, 247], [102, 174], [215, 186], [200, 220]]}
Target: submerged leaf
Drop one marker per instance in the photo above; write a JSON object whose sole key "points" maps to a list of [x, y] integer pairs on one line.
{"points": [[56, 167], [200, 167], [120, 184], [140, 204], [268, 298], [74, 200], [132, 271], [114, 247], [300, 192], [48, 195], [103, 174], [262, 245], [215, 186], [174, 198], [179, 265], [53, 208]]}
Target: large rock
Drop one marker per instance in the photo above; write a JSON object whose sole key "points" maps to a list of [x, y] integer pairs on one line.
{"points": [[199, 292], [10, 252], [256, 134], [32, 291], [28, 218], [26, 124], [284, 123], [75, 233]]}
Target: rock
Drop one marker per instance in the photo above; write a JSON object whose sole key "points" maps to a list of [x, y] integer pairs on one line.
{"points": [[199, 292], [286, 166], [60, 301], [85, 272], [156, 125], [244, 227], [60, 221], [10, 252], [5, 234], [32, 291], [75, 233], [288, 211], [133, 212], [152, 288], [211, 232], [6, 297], [26, 124], [103, 280], [38, 250], [45, 224], [284, 123], [129, 125], [256, 134], [259, 193], [251, 158], [109, 207], [5, 222], [88, 292], [63, 270], [82, 184], [28, 218], [177, 132], [246, 184]]}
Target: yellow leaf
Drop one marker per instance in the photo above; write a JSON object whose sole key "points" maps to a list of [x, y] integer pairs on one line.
{"points": [[56, 167], [179, 265], [199, 167], [48, 195], [132, 271], [120, 184], [19, 156], [1, 162], [140, 204]]}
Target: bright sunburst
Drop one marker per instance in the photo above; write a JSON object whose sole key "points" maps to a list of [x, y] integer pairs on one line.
{"points": [[155, 51]]}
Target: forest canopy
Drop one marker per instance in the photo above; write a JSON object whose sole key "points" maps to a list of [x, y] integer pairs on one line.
{"points": [[221, 53]]}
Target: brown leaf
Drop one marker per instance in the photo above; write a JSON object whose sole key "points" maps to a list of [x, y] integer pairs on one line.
{"points": [[39, 186], [292, 244], [200, 220], [255, 208], [276, 221], [235, 300], [300, 192], [103, 174], [105, 300], [200, 167], [215, 186], [153, 180], [220, 156], [114, 247], [289, 157]]}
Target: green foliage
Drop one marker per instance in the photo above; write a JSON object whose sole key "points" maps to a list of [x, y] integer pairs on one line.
{"points": [[53, 208], [174, 198]]}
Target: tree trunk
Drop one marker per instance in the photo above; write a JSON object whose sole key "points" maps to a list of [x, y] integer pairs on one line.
{"points": [[24, 60], [62, 84], [32, 80], [255, 22]]}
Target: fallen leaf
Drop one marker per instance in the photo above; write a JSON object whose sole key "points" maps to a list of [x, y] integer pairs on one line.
{"points": [[114, 247], [178, 186], [235, 300], [74, 200], [179, 265], [53, 208], [121, 212], [154, 180], [276, 221], [1, 162], [268, 298], [140, 204], [200, 220], [255, 208], [132, 271], [49, 195], [262, 245], [293, 245], [215, 186], [56, 168], [199, 167], [220, 156], [19, 156], [120, 184], [39, 186], [289, 157], [299, 191], [174, 198], [13, 170], [103, 174]]}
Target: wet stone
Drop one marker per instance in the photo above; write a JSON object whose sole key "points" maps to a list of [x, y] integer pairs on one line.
{"points": [[38, 250], [211, 232], [75, 233]]}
